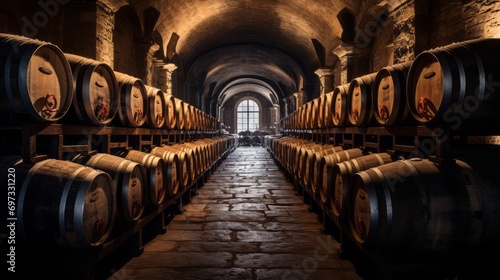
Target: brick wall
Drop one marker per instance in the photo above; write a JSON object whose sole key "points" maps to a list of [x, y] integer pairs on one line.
{"points": [[105, 21]]}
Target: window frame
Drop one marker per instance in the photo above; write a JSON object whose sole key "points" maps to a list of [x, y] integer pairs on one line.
{"points": [[247, 114]]}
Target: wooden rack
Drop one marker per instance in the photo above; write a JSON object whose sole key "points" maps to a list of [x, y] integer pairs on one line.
{"points": [[37, 141]]}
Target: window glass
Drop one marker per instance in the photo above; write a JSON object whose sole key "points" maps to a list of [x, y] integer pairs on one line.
{"points": [[247, 115]]}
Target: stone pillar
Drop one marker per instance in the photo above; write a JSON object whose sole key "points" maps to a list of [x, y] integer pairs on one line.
{"points": [[325, 75], [221, 116], [170, 68], [276, 118], [159, 74], [298, 99], [345, 55], [105, 22], [287, 107], [145, 49], [404, 38]]}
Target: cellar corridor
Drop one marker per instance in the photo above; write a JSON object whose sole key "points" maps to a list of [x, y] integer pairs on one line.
{"points": [[245, 222]]}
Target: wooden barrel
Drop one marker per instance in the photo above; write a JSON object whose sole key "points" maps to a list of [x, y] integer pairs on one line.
{"points": [[191, 158], [455, 85], [299, 153], [292, 148], [202, 120], [179, 113], [389, 95], [188, 116], [133, 101], [130, 181], [155, 174], [320, 121], [157, 107], [315, 113], [326, 167], [198, 161], [95, 99], [184, 163], [171, 169], [170, 121], [195, 117], [306, 159], [340, 193], [302, 111], [62, 204], [419, 208], [359, 100], [316, 175], [309, 116], [339, 105], [35, 80], [326, 109]]}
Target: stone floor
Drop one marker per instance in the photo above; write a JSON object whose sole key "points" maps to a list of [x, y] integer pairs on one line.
{"points": [[245, 223]]}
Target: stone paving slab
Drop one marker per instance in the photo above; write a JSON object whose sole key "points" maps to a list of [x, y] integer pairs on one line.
{"points": [[246, 222], [268, 260]]}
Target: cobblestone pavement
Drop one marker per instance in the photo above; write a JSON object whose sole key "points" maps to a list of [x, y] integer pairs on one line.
{"points": [[246, 222]]}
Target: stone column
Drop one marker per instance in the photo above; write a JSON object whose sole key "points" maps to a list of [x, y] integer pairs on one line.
{"points": [[403, 17], [170, 68], [345, 55], [287, 107], [105, 22], [145, 53], [325, 75], [298, 99]]}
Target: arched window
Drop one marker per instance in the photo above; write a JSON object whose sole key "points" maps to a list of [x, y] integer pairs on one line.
{"points": [[247, 116]]}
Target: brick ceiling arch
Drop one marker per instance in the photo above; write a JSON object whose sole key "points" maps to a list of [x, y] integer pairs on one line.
{"points": [[303, 31]]}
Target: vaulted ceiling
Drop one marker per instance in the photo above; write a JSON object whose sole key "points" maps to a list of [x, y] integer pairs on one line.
{"points": [[270, 47]]}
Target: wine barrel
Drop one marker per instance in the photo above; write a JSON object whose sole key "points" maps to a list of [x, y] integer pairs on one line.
{"points": [[359, 100], [320, 111], [326, 167], [309, 116], [418, 208], [188, 116], [183, 175], [155, 174], [196, 161], [197, 157], [133, 101], [304, 169], [64, 205], [35, 81], [157, 107], [326, 109], [455, 85], [299, 152], [342, 172], [130, 181], [314, 170], [339, 105], [314, 113], [203, 120], [171, 166], [95, 99], [170, 121], [191, 158], [302, 116], [389, 95], [179, 113], [195, 117]]}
